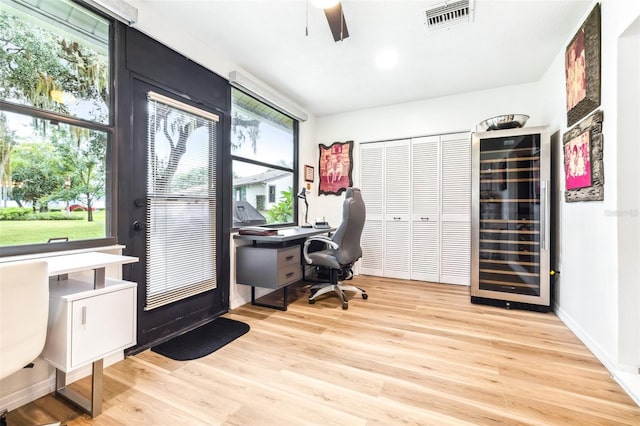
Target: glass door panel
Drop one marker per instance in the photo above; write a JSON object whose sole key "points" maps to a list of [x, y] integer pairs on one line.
{"points": [[509, 216]]}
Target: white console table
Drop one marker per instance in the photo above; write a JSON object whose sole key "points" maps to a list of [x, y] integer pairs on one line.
{"points": [[87, 320]]}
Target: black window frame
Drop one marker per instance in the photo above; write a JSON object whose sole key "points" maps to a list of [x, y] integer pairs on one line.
{"points": [[110, 176], [294, 170]]}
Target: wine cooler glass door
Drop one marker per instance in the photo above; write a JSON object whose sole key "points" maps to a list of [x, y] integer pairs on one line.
{"points": [[510, 215]]}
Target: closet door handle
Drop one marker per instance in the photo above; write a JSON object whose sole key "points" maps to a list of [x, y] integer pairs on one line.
{"points": [[84, 315]]}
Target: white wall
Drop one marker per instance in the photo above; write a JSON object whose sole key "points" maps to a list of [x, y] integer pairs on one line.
{"points": [[628, 194], [597, 295], [450, 114]]}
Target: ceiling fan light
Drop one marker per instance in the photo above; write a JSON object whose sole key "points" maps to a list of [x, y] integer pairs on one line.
{"points": [[324, 4]]}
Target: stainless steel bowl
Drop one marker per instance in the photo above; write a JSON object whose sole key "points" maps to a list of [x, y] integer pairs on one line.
{"points": [[507, 121]]}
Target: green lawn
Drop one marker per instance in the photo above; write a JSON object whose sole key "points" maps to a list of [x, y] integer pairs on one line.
{"points": [[17, 232]]}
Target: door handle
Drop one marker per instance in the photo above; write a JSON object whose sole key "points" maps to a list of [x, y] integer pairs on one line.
{"points": [[139, 226], [544, 200]]}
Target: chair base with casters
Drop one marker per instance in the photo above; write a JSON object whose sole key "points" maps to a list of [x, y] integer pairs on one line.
{"points": [[335, 286]]}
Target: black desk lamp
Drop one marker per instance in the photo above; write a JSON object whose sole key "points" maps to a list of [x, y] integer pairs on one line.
{"points": [[303, 195]]}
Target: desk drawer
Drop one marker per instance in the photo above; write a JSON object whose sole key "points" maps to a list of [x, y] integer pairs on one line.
{"points": [[269, 267], [289, 256], [289, 274]]}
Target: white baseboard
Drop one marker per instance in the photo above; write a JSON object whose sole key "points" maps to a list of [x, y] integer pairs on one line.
{"points": [[28, 394], [45, 387], [628, 379], [237, 302]]}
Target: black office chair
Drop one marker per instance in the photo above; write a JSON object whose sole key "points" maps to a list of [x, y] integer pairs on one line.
{"points": [[341, 251]]}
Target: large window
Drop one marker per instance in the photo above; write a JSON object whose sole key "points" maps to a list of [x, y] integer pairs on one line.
{"points": [[55, 123], [263, 152]]}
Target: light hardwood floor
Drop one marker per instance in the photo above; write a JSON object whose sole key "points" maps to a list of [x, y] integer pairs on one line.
{"points": [[413, 353]]}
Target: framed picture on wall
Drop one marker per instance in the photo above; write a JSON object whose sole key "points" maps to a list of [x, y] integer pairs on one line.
{"points": [[582, 69], [577, 161], [308, 173], [335, 168], [583, 160]]}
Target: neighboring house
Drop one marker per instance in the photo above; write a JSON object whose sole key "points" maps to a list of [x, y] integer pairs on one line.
{"points": [[263, 190]]}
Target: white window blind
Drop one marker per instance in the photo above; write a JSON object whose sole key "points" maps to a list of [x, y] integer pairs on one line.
{"points": [[181, 201]]}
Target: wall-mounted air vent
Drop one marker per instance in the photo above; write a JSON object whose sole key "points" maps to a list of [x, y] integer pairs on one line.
{"points": [[447, 14]]}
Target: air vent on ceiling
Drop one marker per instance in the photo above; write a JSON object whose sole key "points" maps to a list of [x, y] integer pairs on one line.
{"points": [[447, 14]]}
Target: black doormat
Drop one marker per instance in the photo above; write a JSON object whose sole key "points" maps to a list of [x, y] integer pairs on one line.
{"points": [[203, 340]]}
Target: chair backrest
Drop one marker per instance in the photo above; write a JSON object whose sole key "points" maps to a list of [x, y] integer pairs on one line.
{"points": [[24, 312], [350, 230]]}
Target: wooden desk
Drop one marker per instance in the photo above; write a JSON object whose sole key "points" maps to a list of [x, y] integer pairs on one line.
{"points": [[273, 261]]}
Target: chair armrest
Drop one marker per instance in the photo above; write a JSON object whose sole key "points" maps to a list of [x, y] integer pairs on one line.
{"points": [[328, 241]]}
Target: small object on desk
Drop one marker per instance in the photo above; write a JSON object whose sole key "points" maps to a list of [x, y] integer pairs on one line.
{"points": [[322, 225], [257, 230]]}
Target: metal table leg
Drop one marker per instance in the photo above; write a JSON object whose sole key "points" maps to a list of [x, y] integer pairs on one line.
{"points": [[92, 407], [266, 305]]}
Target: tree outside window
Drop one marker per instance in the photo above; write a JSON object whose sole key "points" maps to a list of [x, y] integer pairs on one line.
{"points": [[52, 172], [262, 151]]}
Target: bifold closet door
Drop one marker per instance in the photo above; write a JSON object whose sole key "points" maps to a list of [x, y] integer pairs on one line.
{"points": [[455, 219], [397, 202], [372, 189], [425, 211]]}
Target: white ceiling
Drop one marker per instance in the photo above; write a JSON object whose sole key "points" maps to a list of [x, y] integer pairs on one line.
{"points": [[509, 42]]}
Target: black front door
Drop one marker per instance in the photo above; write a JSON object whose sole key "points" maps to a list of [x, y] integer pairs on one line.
{"points": [[169, 197]]}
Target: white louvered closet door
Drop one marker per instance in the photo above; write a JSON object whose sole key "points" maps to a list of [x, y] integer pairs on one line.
{"points": [[372, 189], [425, 214], [455, 216], [397, 201]]}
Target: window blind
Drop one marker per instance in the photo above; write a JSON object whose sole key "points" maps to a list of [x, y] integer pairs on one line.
{"points": [[181, 202]]}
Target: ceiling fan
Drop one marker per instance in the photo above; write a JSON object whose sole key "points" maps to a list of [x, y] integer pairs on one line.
{"points": [[335, 17]]}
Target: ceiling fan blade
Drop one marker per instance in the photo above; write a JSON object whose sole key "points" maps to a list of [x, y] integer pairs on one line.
{"points": [[337, 24]]}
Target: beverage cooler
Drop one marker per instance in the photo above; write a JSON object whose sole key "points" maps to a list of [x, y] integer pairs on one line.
{"points": [[511, 218]]}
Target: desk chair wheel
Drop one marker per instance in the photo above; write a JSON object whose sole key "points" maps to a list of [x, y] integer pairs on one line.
{"points": [[345, 305], [365, 296], [312, 301]]}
